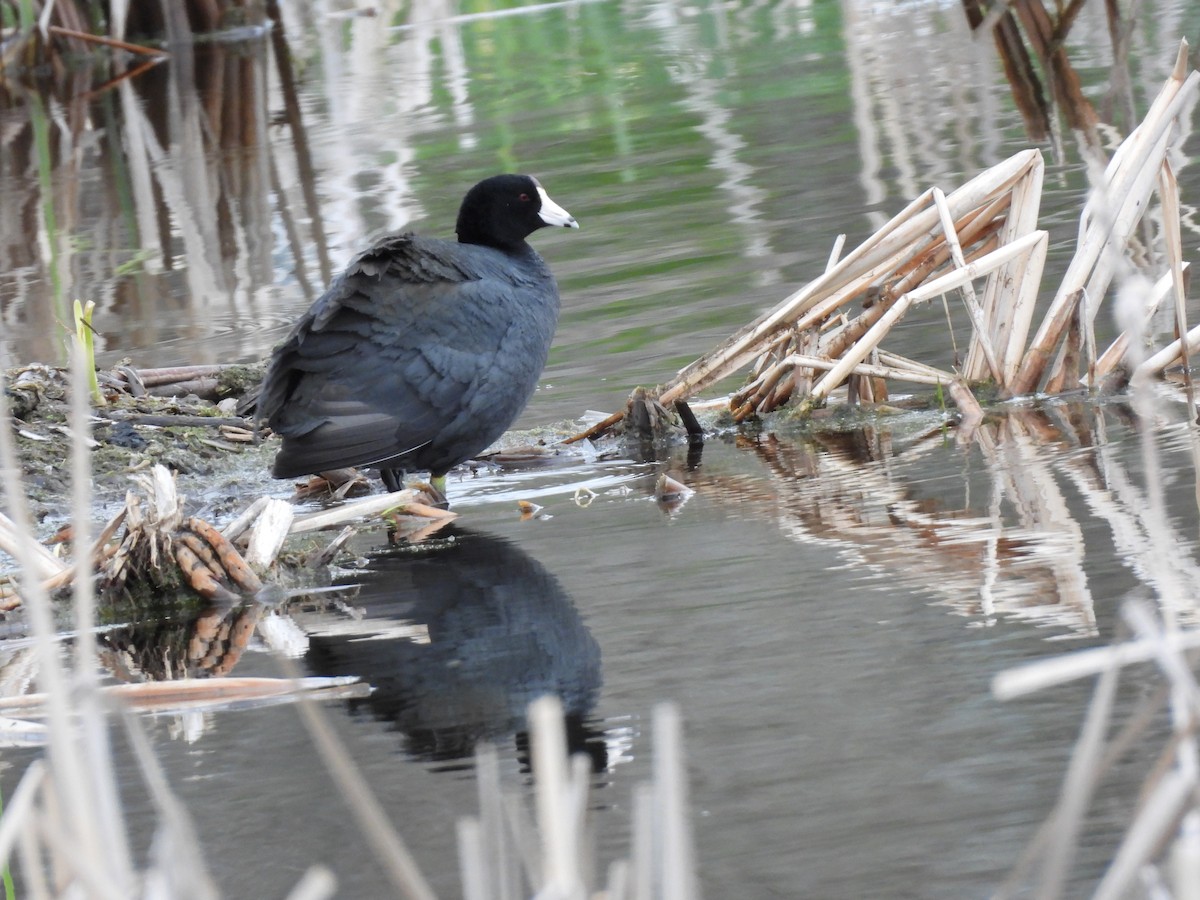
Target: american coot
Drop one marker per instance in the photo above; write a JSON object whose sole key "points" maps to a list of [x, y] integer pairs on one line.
{"points": [[423, 351]]}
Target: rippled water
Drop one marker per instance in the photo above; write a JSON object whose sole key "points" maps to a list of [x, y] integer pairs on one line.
{"points": [[828, 610]]}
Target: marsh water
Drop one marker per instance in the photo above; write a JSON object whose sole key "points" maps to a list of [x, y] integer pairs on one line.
{"points": [[830, 606]]}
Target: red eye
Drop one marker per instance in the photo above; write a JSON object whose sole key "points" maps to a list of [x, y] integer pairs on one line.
{"points": [[524, 198]]}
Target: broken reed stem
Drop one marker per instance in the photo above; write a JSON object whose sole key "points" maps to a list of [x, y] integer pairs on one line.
{"points": [[1169, 355], [898, 373], [370, 506], [1168, 192], [927, 291], [968, 290], [777, 386], [1118, 351]]}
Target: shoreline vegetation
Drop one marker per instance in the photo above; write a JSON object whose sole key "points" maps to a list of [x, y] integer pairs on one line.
{"points": [[64, 822]]}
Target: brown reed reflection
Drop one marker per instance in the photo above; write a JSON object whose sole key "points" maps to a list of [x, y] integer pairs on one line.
{"points": [[158, 197]]}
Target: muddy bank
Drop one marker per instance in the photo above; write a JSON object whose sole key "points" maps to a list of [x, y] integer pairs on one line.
{"points": [[199, 436]]}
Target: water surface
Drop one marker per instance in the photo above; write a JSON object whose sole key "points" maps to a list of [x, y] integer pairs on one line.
{"points": [[828, 609]]}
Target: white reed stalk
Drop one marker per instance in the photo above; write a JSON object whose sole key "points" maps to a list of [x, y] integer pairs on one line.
{"points": [[1036, 676], [1010, 295], [645, 885], [836, 252], [1185, 860], [521, 828], [1168, 193], [1159, 815], [499, 851], [1168, 355], [578, 793], [242, 523], [318, 883], [20, 808], [896, 373], [968, 290], [42, 563], [1027, 279], [1127, 210], [268, 533], [472, 859], [95, 747], [670, 786], [1089, 338], [68, 767], [1170, 660], [912, 366], [859, 350], [369, 506], [618, 880], [560, 876]]}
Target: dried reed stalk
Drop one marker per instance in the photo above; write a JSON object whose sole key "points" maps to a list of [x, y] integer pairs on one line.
{"points": [[956, 278], [1117, 203]]}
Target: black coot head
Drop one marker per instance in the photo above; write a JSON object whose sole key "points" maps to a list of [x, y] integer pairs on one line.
{"points": [[503, 210]]}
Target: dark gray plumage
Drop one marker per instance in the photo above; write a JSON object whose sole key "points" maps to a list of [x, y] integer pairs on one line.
{"points": [[423, 351]]}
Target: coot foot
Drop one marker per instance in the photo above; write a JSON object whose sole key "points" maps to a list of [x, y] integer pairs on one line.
{"points": [[435, 489]]}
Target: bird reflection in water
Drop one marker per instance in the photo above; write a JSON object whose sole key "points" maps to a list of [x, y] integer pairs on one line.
{"points": [[457, 637]]}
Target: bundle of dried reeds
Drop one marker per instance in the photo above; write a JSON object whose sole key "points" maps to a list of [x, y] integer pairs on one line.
{"points": [[832, 331]]}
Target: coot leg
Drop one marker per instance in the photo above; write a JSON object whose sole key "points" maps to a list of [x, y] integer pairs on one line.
{"points": [[438, 483], [393, 479]]}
